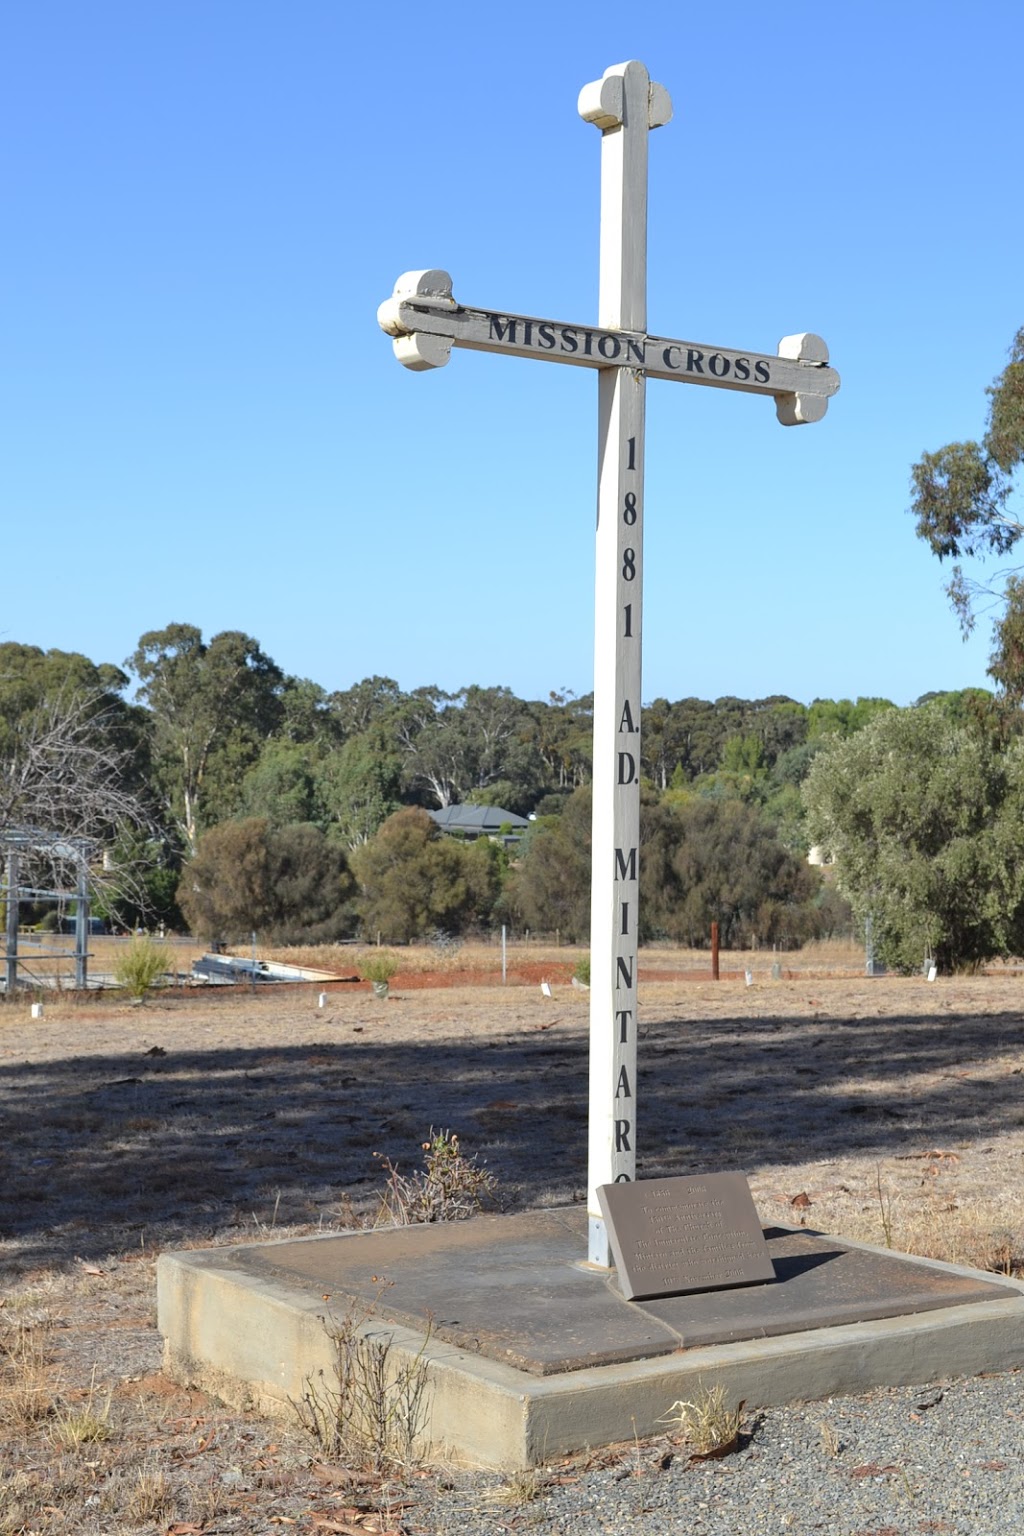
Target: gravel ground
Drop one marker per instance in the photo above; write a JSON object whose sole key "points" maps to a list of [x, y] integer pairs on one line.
{"points": [[941, 1458]]}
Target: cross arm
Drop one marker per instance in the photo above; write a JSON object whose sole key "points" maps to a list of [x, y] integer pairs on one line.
{"points": [[425, 322]]}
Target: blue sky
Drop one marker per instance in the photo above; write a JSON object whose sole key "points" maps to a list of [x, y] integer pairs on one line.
{"points": [[204, 202]]}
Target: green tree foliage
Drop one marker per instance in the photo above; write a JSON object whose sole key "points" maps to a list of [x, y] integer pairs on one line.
{"points": [[36, 683], [414, 880], [563, 733], [285, 883], [356, 709], [213, 705], [925, 819], [549, 891], [731, 868], [306, 716], [360, 785], [282, 784], [475, 740], [702, 860], [963, 498], [842, 717]]}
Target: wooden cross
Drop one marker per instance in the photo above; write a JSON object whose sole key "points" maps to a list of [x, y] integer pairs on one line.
{"points": [[426, 322]]}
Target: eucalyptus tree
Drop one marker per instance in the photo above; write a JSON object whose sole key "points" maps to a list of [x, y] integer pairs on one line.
{"points": [[212, 706], [967, 505], [924, 818]]}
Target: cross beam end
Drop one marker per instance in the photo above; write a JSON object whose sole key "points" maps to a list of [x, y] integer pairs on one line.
{"points": [[604, 102], [799, 410], [796, 410], [429, 289], [805, 347]]}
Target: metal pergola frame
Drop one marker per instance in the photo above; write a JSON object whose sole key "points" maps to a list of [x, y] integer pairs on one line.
{"points": [[15, 843]]}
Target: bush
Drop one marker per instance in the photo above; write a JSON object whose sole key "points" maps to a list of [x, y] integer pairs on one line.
{"points": [[289, 883], [415, 880], [140, 967], [378, 965], [925, 819]]}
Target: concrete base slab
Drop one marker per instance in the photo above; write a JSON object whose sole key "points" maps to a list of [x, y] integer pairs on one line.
{"points": [[528, 1352]]}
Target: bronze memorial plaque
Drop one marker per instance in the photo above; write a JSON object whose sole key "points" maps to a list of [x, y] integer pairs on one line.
{"points": [[686, 1234]]}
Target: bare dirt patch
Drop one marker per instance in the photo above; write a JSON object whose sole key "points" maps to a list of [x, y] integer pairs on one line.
{"points": [[886, 1109]]}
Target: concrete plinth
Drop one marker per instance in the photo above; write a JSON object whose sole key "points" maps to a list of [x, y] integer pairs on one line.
{"points": [[530, 1353]]}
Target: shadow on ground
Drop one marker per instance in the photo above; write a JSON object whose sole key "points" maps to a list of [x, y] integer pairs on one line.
{"points": [[101, 1154]]}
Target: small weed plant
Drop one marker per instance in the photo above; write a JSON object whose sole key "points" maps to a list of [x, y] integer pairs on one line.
{"points": [[75, 1425], [886, 1198], [450, 1186], [372, 1408], [26, 1393], [581, 971], [707, 1424], [142, 964]]}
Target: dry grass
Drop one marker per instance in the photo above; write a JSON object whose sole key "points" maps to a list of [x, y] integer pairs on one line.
{"points": [[479, 957], [26, 1375], [708, 1425]]}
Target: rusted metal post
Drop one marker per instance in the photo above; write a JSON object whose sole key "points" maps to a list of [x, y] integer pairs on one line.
{"points": [[714, 951]]}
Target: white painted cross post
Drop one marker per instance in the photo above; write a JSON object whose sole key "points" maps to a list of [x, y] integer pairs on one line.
{"points": [[426, 322]]}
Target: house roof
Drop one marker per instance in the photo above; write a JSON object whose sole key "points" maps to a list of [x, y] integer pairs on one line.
{"points": [[484, 820]]}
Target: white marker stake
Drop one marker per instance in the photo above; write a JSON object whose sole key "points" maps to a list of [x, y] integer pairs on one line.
{"points": [[425, 322]]}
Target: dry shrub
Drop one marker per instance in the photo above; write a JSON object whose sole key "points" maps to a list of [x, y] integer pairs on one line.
{"points": [[450, 1187], [372, 1409]]}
